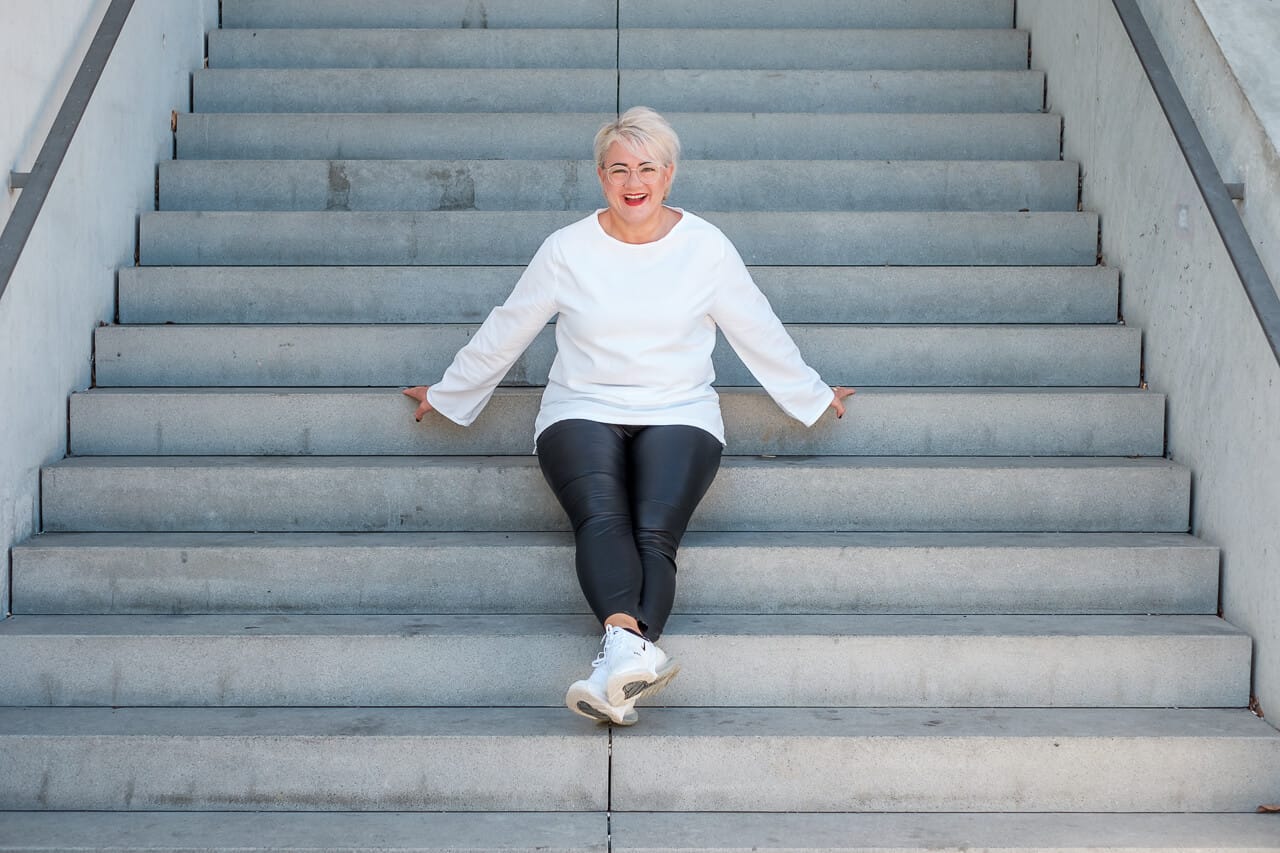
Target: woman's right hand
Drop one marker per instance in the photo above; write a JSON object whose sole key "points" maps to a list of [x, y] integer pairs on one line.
{"points": [[419, 393]]}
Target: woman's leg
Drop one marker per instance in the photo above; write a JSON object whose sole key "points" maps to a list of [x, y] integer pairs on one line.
{"points": [[585, 463], [671, 468]]}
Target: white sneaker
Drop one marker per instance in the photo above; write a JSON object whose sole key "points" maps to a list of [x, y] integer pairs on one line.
{"points": [[637, 668], [589, 696]]}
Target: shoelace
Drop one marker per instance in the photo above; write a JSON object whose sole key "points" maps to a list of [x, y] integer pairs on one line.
{"points": [[606, 642]]}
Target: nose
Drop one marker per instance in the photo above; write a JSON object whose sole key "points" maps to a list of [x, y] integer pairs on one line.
{"points": [[633, 175]]}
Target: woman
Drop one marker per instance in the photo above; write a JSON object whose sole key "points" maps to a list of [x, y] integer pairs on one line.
{"points": [[629, 432]]}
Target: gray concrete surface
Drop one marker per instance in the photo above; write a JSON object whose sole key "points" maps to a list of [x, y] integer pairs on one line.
{"points": [[959, 136], [533, 573], [1203, 348], [404, 832], [1026, 760], [386, 355], [738, 185], [416, 48], [457, 237], [416, 660], [302, 759], [842, 49], [372, 90], [64, 283], [346, 294], [823, 13], [943, 833], [508, 494], [1222, 56], [464, 14], [882, 422], [680, 90]]}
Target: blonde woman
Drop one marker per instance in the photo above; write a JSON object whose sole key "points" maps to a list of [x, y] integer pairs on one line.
{"points": [[629, 433]]}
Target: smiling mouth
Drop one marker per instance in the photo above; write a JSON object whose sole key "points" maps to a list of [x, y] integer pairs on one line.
{"points": [[635, 199]]}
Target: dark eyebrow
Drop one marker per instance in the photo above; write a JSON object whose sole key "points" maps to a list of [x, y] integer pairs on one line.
{"points": [[645, 163]]}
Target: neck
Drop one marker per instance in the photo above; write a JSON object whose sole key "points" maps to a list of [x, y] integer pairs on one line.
{"points": [[648, 231]]}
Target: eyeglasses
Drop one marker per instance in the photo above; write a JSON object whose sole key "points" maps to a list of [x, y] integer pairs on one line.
{"points": [[648, 173]]}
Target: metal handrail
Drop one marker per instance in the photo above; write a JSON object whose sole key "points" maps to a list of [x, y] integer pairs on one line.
{"points": [[1217, 194], [37, 183]]}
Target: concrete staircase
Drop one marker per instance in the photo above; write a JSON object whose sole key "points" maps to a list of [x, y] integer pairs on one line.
{"points": [[268, 610]]}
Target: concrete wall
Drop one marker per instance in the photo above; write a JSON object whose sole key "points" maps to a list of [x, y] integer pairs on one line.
{"points": [[1223, 55], [65, 281], [1202, 344], [41, 44]]}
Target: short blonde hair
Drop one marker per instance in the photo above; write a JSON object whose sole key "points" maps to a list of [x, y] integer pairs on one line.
{"points": [[640, 129]]}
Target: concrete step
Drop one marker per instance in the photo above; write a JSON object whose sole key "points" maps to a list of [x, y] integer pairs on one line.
{"points": [[826, 48], [302, 759], [885, 573], [464, 14], [713, 759], [954, 14], [225, 832], [186, 238], [441, 48], [376, 90], [649, 832], [574, 185], [404, 355], [500, 493], [465, 294], [945, 760], [356, 421], [754, 661], [684, 90], [710, 136], [996, 49], [669, 832]]}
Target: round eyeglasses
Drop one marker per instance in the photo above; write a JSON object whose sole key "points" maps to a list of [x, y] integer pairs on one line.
{"points": [[648, 173]]}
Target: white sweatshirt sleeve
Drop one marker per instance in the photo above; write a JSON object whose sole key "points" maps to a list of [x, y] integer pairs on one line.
{"points": [[756, 334], [468, 383]]}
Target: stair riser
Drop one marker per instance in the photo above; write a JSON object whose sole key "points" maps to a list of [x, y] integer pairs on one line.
{"points": [[350, 832], [776, 574], [375, 185], [464, 14], [792, 136], [466, 294], [939, 774], [471, 237], [271, 773], [405, 355], [887, 422], [376, 90], [829, 91], [602, 13], [510, 495], [495, 48], [419, 662], [847, 50], [369, 48], [823, 13]]}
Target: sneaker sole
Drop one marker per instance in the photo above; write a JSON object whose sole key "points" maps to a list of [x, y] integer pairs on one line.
{"points": [[629, 688], [584, 704]]}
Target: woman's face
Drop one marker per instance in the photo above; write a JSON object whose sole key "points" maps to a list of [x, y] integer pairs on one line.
{"points": [[634, 202]]}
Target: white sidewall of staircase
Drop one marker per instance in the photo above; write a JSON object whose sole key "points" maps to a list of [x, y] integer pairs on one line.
{"points": [[1222, 82], [1202, 344], [65, 281]]}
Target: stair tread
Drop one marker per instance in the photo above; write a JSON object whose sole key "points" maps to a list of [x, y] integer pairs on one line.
{"points": [[465, 294], [334, 134]]}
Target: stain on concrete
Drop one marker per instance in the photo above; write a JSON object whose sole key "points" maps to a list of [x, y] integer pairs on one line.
{"points": [[339, 193]]}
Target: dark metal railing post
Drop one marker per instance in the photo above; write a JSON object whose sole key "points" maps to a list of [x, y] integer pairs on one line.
{"points": [[1217, 194], [37, 183]]}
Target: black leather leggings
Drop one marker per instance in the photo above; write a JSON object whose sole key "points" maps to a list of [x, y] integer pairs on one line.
{"points": [[629, 492]]}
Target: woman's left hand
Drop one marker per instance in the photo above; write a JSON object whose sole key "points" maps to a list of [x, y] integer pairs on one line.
{"points": [[837, 399]]}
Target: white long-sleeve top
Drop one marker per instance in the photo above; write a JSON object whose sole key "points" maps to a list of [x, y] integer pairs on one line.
{"points": [[635, 332]]}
